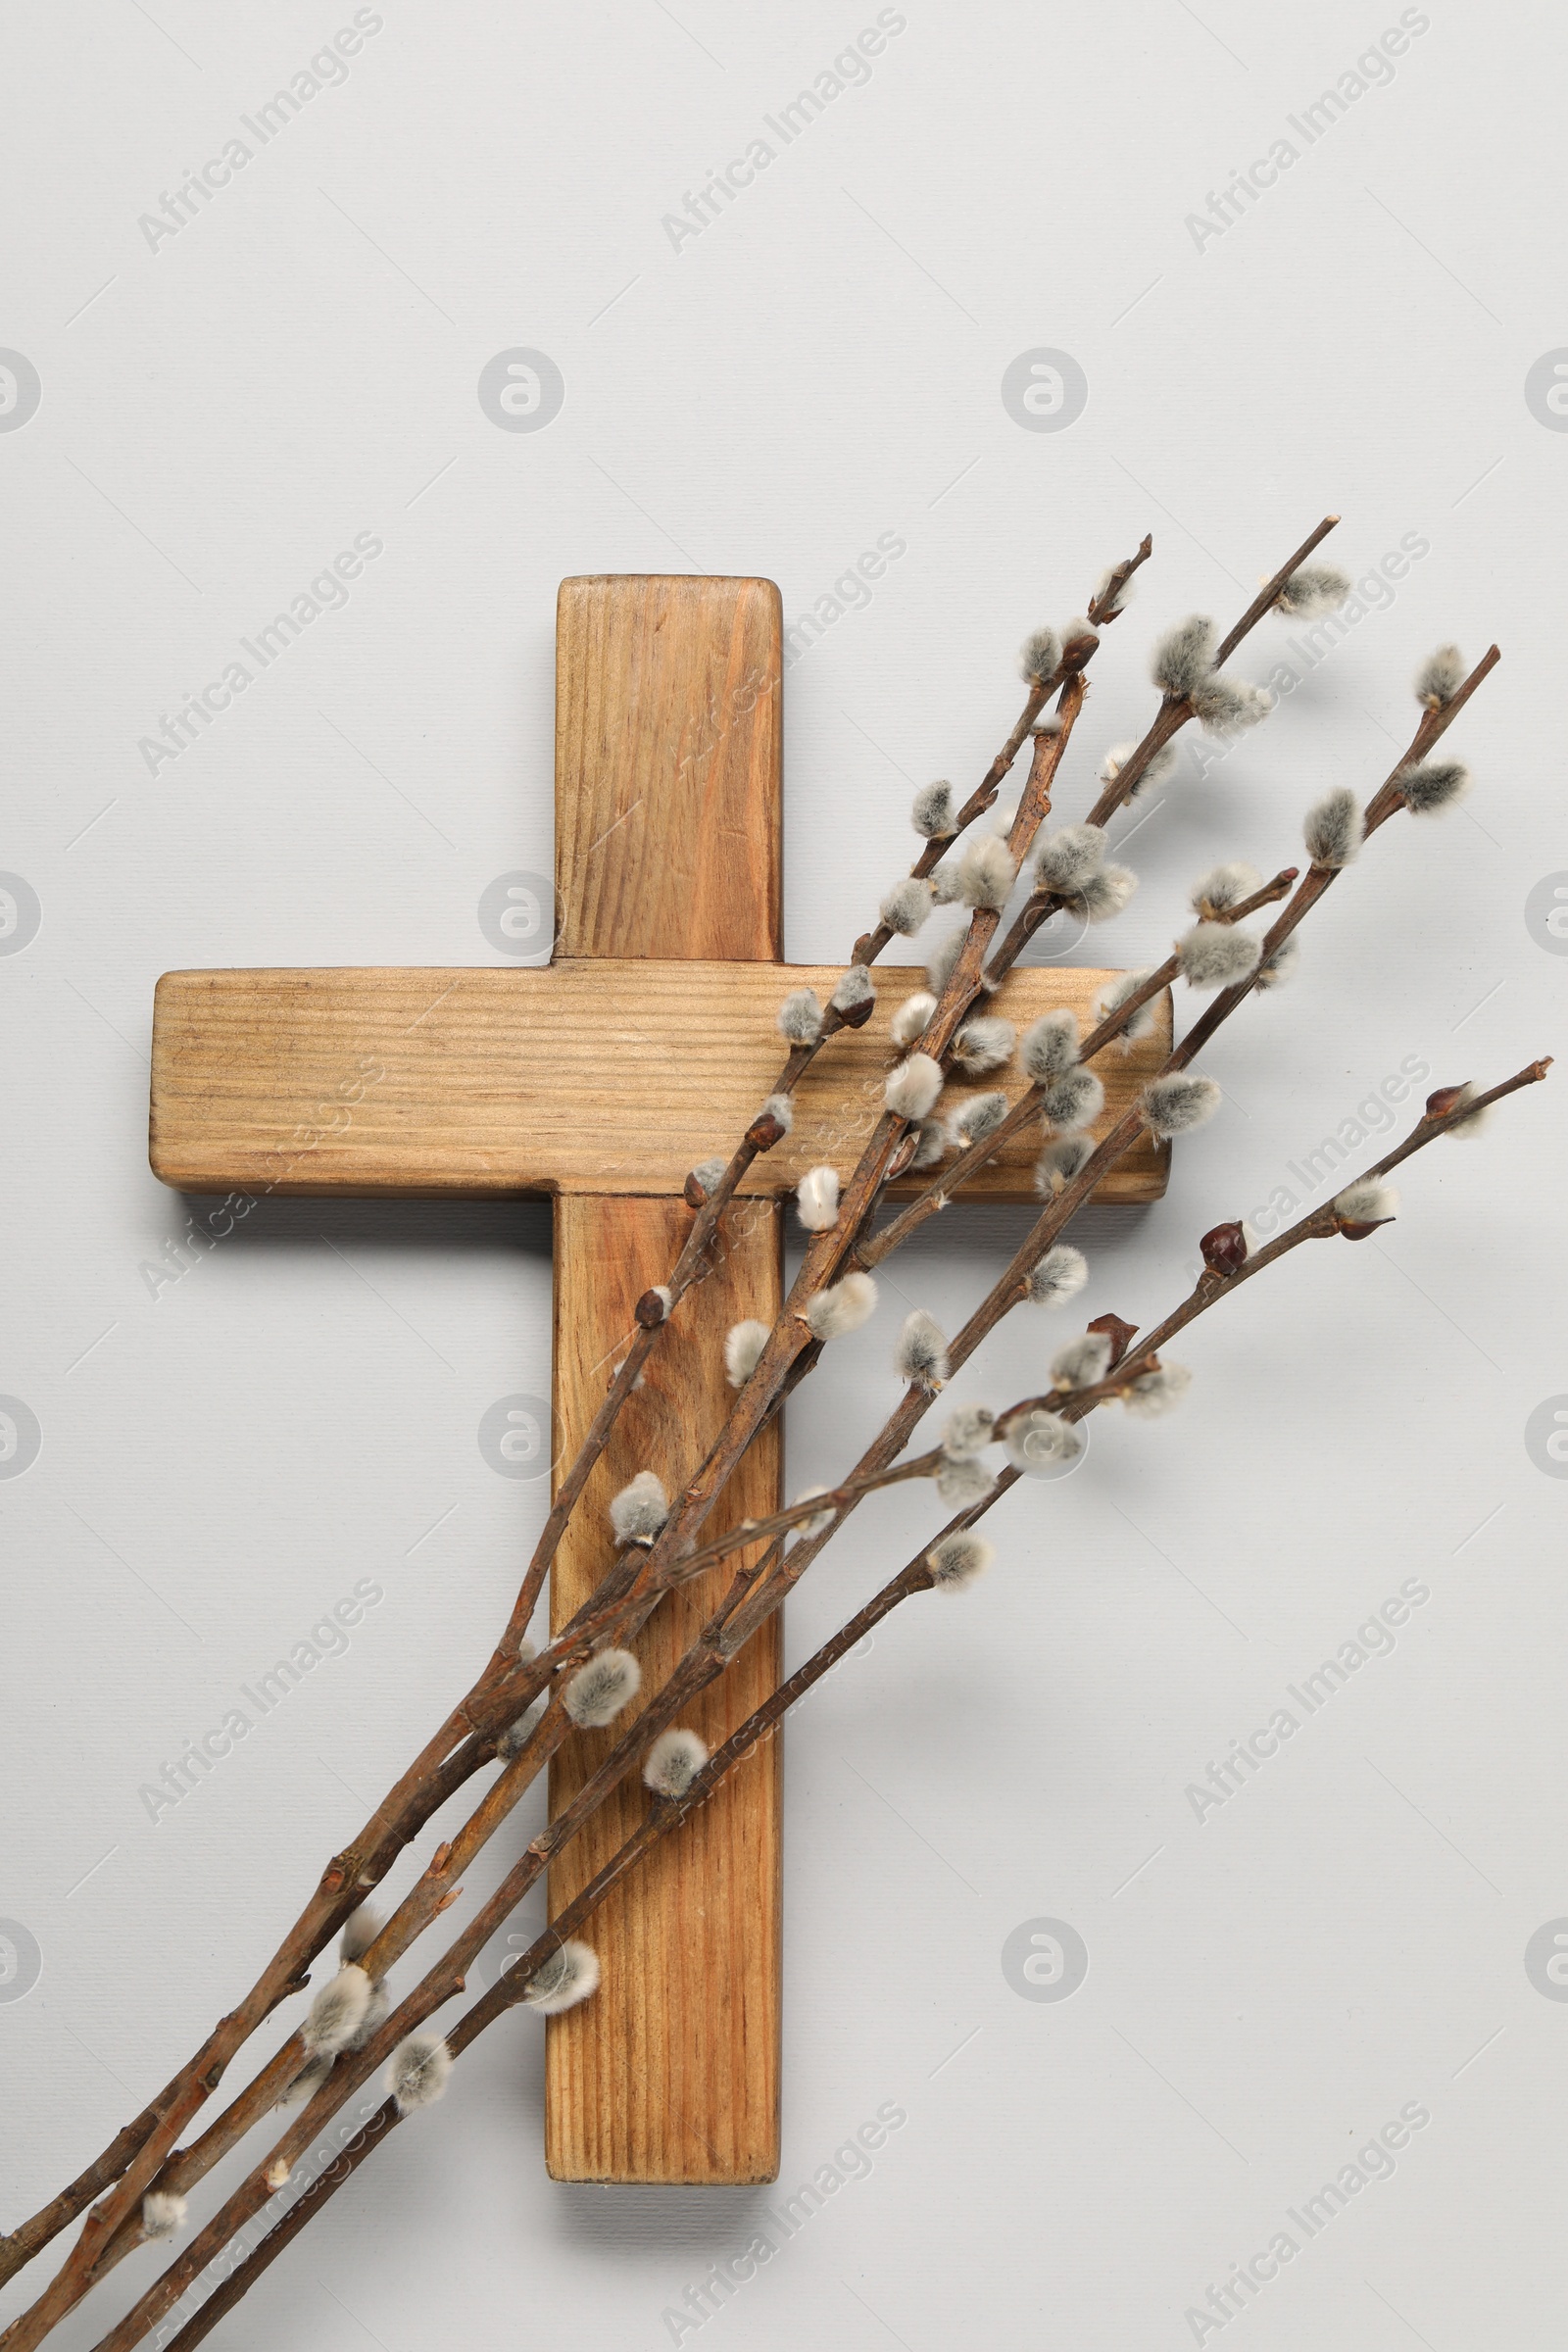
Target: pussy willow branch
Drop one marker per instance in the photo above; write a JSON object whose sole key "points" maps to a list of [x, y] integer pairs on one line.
{"points": [[138, 2149], [667, 1815]]}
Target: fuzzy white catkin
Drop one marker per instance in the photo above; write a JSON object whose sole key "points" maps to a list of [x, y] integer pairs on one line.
{"points": [[906, 905], [1064, 1158], [567, 1976], [1160, 766], [337, 2012], [935, 810], [674, 1762], [912, 1089], [1331, 828], [946, 887], [1184, 657], [1224, 704], [374, 2016], [921, 1355], [819, 1521], [707, 1173], [600, 1688], [1464, 1129], [1040, 654], [911, 1018], [817, 1200], [931, 1143], [639, 1509], [1312, 589], [1178, 1103], [1157, 1392], [967, 1430], [1439, 677], [743, 1344], [843, 1309], [418, 2072], [941, 959], [308, 2081], [856, 987], [1105, 894], [963, 1481], [1433, 785], [1050, 1045], [1114, 994], [1276, 969], [800, 1017], [517, 1735], [362, 1926], [1217, 955], [1224, 887], [987, 872], [1082, 1362], [1368, 1201], [983, 1044], [1068, 859], [978, 1118], [1123, 596], [781, 1108], [956, 1561], [1037, 1437], [1074, 1100], [1060, 1276], [162, 2213]]}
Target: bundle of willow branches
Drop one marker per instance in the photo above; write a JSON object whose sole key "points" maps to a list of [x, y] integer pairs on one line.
{"points": [[526, 1702]]}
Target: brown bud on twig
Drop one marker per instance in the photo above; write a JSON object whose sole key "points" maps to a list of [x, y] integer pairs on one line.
{"points": [[765, 1131], [1360, 1233], [652, 1306], [1446, 1098], [1224, 1248], [1077, 649], [1116, 1332], [856, 1016], [692, 1191]]}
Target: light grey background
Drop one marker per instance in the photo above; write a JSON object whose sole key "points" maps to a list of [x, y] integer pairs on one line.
{"points": [[220, 1463]]}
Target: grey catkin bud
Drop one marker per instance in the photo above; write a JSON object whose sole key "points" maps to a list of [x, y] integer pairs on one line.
{"points": [[956, 1561], [1439, 677], [514, 1739], [1064, 1158], [1082, 1361], [1226, 886], [1463, 1130], [843, 1309], [1156, 1391], [941, 960], [1217, 955], [931, 1143], [978, 1118], [819, 1522], [935, 810], [983, 1044], [1184, 657], [1040, 655], [911, 1089], [913, 1017], [987, 872], [800, 1017], [780, 1107], [308, 2081], [362, 1926], [947, 888], [337, 2012], [1068, 859], [1161, 765], [921, 1355], [906, 905], [1224, 704], [418, 2072], [600, 1689], [1312, 589], [743, 1346], [1178, 1103], [567, 1976], [1276, 969], [1050, 1045], [963, 1480], [1332, 830], [162, 2213], [1074, 1100], [967, 1431], [817, 1200], [1114, 994], [639, 1509], [856, 988], [1123, 596], [1105, 894], [707, 1173], [1433, 785], [1038, 1437], [1368, 1201], [1060, 1276], [376, 2015], [674, 1762]]}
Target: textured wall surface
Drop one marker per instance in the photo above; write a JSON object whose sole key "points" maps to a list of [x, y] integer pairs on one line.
{"points": [[985, 316]]}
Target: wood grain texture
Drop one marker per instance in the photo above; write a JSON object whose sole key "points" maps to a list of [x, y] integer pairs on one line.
{"points": [[579, 1078], [671, 2073], [668, 768]]}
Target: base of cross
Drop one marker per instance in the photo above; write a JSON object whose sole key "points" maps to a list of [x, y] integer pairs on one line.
{"points": [[645, 1045]]}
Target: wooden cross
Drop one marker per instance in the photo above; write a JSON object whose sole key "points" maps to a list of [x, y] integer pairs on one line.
{"points": [[645, 1045]]}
